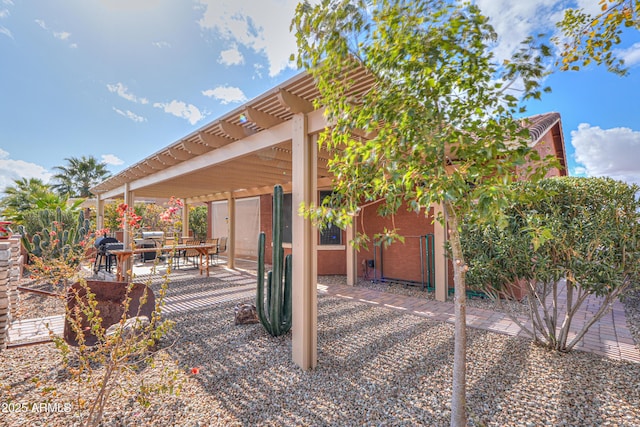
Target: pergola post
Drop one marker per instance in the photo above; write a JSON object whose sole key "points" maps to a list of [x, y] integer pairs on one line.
{"points": [[185, 220], [304, 239], [231, 240], [439, 255], [352, 270], [129, 200], [99, 213]]}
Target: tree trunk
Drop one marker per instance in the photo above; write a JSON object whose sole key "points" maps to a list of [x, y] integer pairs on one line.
{"points": [[458, 397]]}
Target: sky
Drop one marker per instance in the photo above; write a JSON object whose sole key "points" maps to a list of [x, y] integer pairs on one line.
{"points": [[121, 79]]}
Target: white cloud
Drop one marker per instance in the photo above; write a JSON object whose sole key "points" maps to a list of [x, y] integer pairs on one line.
{"points": [[123, 92], [5, 31], [226, 94], [11, 170], [111, 159], [41, 23], [130, 115], [631, 55], [161, 44], [607, 152], [180, 109], [62, 35], [516, 20], [231, 57], [255, 25], [4, 13], [590, 6]]}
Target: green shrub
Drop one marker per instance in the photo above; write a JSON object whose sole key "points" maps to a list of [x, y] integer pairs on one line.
{"points": [[584, 232]]}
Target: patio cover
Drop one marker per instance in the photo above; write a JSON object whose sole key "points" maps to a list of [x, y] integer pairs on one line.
{"points": [[269, 140]]}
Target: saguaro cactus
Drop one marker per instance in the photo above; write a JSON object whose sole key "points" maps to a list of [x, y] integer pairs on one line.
{"points": [[275, 312]]}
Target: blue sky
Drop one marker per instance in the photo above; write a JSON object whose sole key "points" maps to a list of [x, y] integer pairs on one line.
{"points": [[120, 79]]}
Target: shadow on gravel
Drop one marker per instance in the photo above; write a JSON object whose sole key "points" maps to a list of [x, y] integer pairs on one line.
{"points": [[374, 365]]}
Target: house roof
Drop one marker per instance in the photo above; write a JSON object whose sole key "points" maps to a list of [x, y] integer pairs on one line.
{"points": [[246, 151], [541, 124]]}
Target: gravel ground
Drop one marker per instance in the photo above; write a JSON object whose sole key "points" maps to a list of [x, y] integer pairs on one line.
{"points": [[375, 367], [514, 307], [631, 303]]}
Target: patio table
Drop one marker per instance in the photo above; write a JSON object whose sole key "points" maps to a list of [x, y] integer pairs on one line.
{"points": [[122, 255]]}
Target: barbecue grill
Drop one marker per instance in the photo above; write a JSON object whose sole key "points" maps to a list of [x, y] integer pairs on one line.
{"points": [[150, 239], [103, 246]]}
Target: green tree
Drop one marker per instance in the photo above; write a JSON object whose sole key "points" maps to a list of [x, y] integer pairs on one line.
{"points": [[27, 195], [589, 38], [198, 221], [584, 231], [437, 126], [79, 175]]}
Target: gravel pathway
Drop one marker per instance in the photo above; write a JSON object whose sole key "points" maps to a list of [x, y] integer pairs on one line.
{"points": [[376, 367]]}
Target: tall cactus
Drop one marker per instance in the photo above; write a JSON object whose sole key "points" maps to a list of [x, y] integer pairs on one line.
{"points": [[65, 242], [275, 312]]}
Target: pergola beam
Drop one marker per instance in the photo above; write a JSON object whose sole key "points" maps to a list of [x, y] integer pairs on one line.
{"points": [[260, 118], [294, 103], [234, 131], [167, 159], [195, 148], [180, 154], [213, 141]]}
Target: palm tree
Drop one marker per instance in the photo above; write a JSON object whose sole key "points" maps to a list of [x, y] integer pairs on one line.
{"points": [[79, 175], [29, 194]]}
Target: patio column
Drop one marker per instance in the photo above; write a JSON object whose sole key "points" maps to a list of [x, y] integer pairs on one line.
{"points": [[439, 255], [99, 213], [304, 237], [352, 270], [185, 220], [126, 235], [231, 240]]}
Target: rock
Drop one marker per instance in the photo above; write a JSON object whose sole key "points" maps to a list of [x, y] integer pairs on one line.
{"points": [[245, 314], [131, 328]]}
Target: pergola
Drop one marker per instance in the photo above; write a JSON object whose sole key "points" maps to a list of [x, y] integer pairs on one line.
{"points": [[269, 140]]}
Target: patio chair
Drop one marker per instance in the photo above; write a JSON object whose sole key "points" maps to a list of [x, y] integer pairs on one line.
{"points": [[213, 252], [222, 246], [192, 253], [175, 254]]}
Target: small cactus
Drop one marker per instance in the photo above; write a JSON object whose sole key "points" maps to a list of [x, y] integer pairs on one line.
{"points": [[275, 312]]}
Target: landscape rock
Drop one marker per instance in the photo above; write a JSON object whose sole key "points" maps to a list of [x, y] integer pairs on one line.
{"points": [[245, 314]]}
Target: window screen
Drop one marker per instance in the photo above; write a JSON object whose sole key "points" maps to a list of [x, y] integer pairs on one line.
{"points": [[332, 235], [247, 227]]}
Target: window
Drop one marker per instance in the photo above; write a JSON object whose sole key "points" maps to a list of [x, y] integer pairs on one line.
{"points": [[332, 235]]}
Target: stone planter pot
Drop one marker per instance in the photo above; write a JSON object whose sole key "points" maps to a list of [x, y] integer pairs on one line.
{"points": [[110, 296]]}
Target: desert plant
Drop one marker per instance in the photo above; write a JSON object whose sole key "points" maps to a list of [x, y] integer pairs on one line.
{"points": [[106, 357], [56, 239], [584, 233], [37, 220], [438, 124], [275, 312]]}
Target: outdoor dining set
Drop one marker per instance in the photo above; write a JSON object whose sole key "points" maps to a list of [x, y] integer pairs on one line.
{"points": [[200, 252]]}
